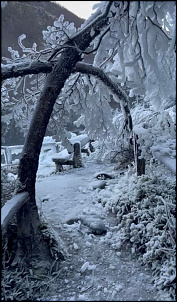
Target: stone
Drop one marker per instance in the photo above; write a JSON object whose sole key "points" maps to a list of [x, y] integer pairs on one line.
{"points": [[98, 184]]}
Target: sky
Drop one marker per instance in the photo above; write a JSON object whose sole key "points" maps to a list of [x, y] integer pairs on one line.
{"points": [[82, 9]]}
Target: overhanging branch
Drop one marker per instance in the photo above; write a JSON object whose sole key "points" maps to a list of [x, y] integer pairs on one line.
{"points": [[99, 73], [114, 87], [22, 69], [82, 39]]}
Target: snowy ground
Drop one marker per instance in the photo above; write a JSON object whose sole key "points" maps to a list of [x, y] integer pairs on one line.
{"points": [[92, 270]]}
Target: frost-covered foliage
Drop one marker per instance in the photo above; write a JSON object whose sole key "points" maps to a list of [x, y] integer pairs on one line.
{"points": [[18, 285], [91, 99], [145, 209], [59, 33], [8, 177], [137, 51], [156, 131], [112, 150], [142, 38], [18, 105]]}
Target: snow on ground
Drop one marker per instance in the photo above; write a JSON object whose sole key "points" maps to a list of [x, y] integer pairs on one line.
{"points": [[92, 269]]}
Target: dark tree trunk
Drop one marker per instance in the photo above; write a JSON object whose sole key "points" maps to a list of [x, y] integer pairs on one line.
{"points": [[31, 245], [139, 163], [30, 241]]}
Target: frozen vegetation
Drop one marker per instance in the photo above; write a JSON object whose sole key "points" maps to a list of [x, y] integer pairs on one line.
{"points": [[110, 226], [134, 260]]}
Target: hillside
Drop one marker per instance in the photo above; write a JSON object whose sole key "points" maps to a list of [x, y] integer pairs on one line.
{"points": [[30, 18]]}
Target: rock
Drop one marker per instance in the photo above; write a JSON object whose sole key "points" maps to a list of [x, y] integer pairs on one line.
{"points": [[98, 228], [96, 225], [98, 184], [84, 267], [103, 175]]}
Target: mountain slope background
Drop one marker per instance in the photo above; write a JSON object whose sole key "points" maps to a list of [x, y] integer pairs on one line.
{"points": [[29, 18]]}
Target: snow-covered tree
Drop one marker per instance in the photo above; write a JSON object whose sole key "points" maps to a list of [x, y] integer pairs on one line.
{"points": [[145, 68], [134, 56]]}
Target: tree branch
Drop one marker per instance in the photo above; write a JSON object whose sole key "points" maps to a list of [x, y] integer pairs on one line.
{"points": [[114, 87], [160, 29], [79, 44], [22, 69], [166, 160], [82, 39]]}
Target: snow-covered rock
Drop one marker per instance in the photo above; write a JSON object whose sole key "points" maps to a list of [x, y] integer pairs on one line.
{"points": [[98, 184], [11, 177]]}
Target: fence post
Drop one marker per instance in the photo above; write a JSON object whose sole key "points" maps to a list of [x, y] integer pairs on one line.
{"points": [[54, 148], [8, 155], [92, 149], [139, 163], [77, 157]]}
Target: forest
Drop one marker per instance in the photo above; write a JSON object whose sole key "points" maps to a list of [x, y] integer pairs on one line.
{"points": [[107, 87]]}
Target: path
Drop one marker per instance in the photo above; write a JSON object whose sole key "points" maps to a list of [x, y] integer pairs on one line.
{"points": [[92, 271]]}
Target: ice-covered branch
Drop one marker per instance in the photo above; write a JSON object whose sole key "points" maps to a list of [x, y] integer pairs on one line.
{"points": [[77, 42], [22, 69], [167, 161], [89, 32], [53, 85], [99, 73], [59, 49], [114, 87], [93, 25]]}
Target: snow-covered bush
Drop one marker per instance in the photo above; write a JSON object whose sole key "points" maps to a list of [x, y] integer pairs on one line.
{"points": [[145, 209], [8, 177], [156, 131]]}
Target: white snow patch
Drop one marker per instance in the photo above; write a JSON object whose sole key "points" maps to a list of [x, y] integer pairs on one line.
{"points": [[11, 177]]}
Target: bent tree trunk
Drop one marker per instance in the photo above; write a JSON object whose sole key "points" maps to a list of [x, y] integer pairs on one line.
{"points": [[30, 242]]}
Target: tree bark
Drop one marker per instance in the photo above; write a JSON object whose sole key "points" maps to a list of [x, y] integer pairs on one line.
{"points": [[22, 69], [30, 239]]}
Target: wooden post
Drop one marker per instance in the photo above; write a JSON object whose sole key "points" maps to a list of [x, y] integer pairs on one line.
{"points": [[92, 149], [77, 157], [139, 163], [8, 155], [54, 148]]}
